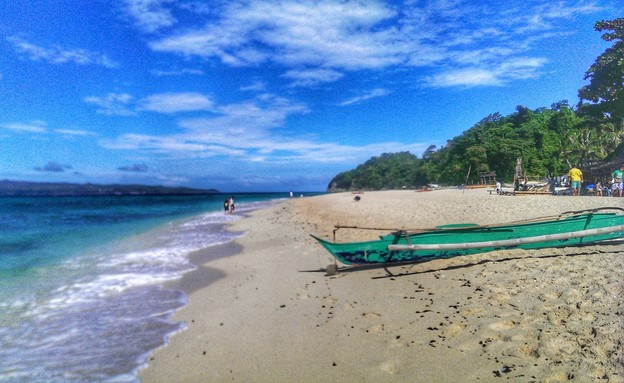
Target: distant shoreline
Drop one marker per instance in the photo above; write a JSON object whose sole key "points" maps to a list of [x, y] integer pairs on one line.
{"points": [[49, 189]]}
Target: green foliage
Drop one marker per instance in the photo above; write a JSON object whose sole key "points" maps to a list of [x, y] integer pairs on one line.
{"points": [[549, 141], [602, 101], [540, 137], [605, 91], [388, 171]]}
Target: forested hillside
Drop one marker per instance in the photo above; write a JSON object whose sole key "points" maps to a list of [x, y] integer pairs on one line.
{"points": [[549, 140]]}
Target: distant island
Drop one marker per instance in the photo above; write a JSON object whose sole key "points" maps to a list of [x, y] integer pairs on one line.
{"points": [[42, 189]]}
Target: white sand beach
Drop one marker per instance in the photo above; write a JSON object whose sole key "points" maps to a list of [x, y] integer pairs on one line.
{"points": [[270, 314]]}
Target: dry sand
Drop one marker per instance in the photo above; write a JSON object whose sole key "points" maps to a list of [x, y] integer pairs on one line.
{"points": [[270, 314]]}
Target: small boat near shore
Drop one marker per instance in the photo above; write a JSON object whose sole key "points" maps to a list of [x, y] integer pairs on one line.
{"points": [[574, 228]]}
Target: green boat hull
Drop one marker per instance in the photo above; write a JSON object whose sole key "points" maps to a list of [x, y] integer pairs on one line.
{"points": [[461, 240]]}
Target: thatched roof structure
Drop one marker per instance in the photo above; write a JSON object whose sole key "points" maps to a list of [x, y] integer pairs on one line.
{"points": [[603, 169]]}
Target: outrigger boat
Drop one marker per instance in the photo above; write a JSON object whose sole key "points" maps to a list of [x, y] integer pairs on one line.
{"points": [[573, 228]]}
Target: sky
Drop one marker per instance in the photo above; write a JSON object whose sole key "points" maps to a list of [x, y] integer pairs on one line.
{"points": [[254, 95]]}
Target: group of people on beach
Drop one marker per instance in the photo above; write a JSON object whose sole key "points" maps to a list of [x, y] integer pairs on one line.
{"points": [[228, 205], [615, 189]]}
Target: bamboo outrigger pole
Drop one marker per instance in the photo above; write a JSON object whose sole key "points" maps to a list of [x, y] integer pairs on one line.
{"points": [[510, 242]]}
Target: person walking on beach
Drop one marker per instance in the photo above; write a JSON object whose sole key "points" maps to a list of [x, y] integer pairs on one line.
{"points": [[226, 206], [618, 175], [232, 207], [599, 187], [576, 178]]}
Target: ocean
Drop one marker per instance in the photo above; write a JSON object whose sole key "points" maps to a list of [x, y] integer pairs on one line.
{"points": [[82, 279]]}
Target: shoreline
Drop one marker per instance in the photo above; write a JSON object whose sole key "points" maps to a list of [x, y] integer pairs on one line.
{"points": [[268, 312], [204, 275]]}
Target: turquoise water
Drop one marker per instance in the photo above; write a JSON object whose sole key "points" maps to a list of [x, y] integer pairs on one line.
{"points": [[81, 279]]}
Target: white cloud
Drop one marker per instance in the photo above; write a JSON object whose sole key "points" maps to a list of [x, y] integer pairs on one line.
{"points": [[248, 124], [463, 44], [465, 77], [177, 102], [256, 86], [522, 67], [39, 126], [174, 146], [544, 16], [72, 132], [378, 92], [266, 149], [238, 130], [123, 104], [177, 72], [150, 15], [252, 131], [113, 104], [561, 10], [31, 127], [58, 55], [312, 77], [160, 143], [518, 68], [459, 40], [482, 55], [339, 35]]}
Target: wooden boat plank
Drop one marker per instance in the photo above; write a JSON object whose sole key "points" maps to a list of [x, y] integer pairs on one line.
{"points": [[511, 242], [567, 229]]}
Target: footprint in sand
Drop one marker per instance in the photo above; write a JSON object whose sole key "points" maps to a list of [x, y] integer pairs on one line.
{"points": [[549, 296], [503, 325], [529, 349], [471, 311], [573, 296], [581, 316], [558, 316], [558, 348], [371, 315], [330, 300], [501, 297], [302, 294], [391, 367], [453, 329]]}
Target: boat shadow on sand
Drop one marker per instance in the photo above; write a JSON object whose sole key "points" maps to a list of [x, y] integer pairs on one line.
{"points": [[492, 257]]}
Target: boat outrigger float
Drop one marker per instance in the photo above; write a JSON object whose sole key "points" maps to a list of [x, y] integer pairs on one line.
{"points": [[574, 228]]}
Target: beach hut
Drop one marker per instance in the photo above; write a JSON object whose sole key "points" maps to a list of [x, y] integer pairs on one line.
{"points": [[602, 170]]}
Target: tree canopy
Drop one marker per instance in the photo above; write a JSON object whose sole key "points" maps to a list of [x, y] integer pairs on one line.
{"points": [[605, 92], [549, 140], [388, 171]]}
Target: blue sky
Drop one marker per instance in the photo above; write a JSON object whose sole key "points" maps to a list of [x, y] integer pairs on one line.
{"points": [[269, 95]]}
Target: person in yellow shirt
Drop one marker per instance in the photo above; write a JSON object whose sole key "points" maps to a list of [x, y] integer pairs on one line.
{"points": [[576, 178]]}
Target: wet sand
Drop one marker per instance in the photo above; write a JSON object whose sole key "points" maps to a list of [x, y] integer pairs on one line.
{"points": [[270, 314]]}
